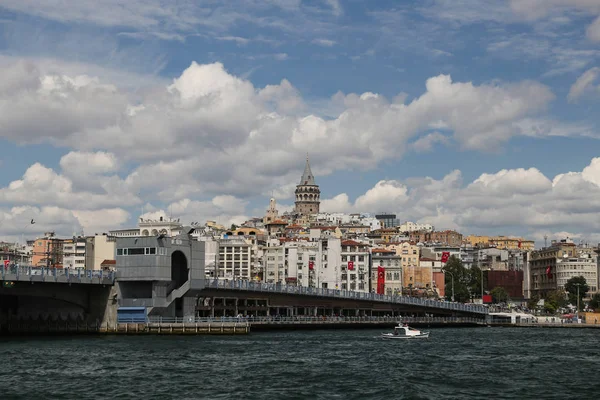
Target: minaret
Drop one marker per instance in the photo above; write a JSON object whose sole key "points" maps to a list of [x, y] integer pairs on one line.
{"points": [[308, 195]]}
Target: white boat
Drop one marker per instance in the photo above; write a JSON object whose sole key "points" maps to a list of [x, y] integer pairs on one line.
{"points": [[405, 332]]}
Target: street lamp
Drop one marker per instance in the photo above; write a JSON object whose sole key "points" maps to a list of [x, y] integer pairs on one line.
{"points": [[578, 284], [481, 270], [452, 275]]}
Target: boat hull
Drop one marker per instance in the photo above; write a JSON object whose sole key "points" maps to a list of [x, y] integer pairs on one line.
{"points": [[391, 336]]}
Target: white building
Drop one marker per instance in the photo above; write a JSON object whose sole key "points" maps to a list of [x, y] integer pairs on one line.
{"points": [[74, 253], [236, 257], [414, 227], [354, 266], [585, 265]]}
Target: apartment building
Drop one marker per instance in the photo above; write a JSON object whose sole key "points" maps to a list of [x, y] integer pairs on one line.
{"points": [[542, 266], [354, 266], [73, 251], [391, 262]]}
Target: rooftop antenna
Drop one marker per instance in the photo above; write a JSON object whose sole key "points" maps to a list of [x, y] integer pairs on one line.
{"points": [[545, 240]]}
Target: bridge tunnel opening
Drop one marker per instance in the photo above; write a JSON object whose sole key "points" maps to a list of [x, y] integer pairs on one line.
{"points": [[179, 269]]}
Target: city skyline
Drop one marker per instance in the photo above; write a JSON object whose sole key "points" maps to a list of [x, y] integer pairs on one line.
{"points": [[463, 115]]}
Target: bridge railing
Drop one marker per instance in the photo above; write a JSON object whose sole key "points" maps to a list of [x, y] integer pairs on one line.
{"points": [[344, 294], [308, 319], [21, 271]]}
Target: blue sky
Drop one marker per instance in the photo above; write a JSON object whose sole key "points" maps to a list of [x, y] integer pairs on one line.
{"points": [[523, 93]]}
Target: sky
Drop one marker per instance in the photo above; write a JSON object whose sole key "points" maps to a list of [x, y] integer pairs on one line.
{"points": [[466, 114]]}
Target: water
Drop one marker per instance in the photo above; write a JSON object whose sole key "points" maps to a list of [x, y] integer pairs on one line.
{"points": [[465, 363]]}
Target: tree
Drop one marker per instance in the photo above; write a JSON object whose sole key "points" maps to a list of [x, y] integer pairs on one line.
{"points": [[532, 302], [461, 280], [475, 281], [577, 285], [554, 300], [595, 302], [499, 294], [233, 227]]}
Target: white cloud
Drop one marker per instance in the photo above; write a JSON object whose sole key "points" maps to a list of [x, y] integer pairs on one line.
{"points": [[593, 31], [324, 42], [336, 7], [427, 142], [516, 201], [584, 83]]}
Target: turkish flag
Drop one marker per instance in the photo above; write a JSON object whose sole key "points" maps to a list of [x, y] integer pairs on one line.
{"points": [[311, 265], [445, 256], [6, 263], [351, 265], [380, 280], [519, 244], [549, 272]]}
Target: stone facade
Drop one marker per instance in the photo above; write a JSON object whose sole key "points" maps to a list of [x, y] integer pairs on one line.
{"points": [[308, 194]]}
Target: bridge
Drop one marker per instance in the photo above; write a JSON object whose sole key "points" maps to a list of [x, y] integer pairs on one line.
{"points": [[49, 296], [39, 295]]}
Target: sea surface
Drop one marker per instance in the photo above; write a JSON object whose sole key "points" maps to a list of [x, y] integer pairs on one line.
{"points": [[462, 363]]}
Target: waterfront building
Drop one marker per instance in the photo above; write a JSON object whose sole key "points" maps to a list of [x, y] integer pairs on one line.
{"points": [[511, 281], [491, 258], [354, 266], [161, 226], [434, 267], [236, 257], [542, 266], [584, 264], [308, 194], [409, 226], [98, 249], [74, 252], [391, 262]]}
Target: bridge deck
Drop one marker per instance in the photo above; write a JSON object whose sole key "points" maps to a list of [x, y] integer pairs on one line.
{"points": [[346, 294], [56, 275]]}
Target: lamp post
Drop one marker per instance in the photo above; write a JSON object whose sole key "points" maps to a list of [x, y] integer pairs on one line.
{"points": [[481, 270], [578, 284], [452, 275]]}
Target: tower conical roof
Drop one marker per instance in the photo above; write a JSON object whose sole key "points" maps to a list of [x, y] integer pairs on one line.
{"points": [[307, 177]]}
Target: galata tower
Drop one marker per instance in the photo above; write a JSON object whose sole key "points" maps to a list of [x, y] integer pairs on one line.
{"points": [[308, 195]]}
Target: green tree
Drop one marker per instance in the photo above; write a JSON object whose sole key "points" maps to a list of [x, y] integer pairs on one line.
{"points": [[554, 300], [595, 302], [475, 281], [499, 294], [532, 302], [574, 286], [233, 227], [461, 280]]}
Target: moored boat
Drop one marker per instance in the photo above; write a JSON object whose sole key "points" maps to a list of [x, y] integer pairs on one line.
{"points": [[405, 332]]}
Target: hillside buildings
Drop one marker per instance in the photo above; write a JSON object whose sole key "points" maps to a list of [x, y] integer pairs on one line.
{"points": [[355, 252]]}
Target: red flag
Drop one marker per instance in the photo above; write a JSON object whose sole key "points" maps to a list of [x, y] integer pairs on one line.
{"points": [[351, 265], [6, 263], [380, 280], [549, 272], [311, 265], [445, 256], [519, 244]]}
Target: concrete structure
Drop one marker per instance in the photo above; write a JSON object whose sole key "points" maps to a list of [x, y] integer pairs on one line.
{"points": [[160, 273], [98, 249], [308, 194], [74, 253]]}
